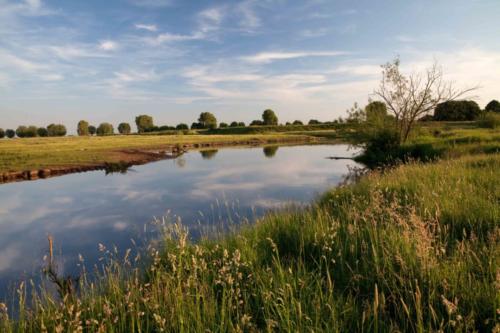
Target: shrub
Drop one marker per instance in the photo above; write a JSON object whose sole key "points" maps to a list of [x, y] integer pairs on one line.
{"points": [[2, 133], [26, 132], [21, 131], [124, 128], [493, 106], [241, 124], [269, 117], [314, 122], [10, 133], [144, 123], [223, 125], [42, 131], [427, 117], [257, 123], [182, 127], [489, 120], [233, 124], [298, 122], [82, 128], [92, 130], [56, 130], [105, 129], [207, 120], [457, 111], [196, 126]]}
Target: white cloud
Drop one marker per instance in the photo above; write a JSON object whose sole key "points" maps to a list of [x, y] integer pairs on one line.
{"points": [[20, 63], [136, 76], [148, 27], [357, 70], [267, 57], [68, 52], [108, 45], [152, 3], [249, 20]]}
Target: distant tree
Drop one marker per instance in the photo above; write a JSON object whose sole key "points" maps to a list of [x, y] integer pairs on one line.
{"points": [[2, 133], [196, 126], [410, 97], [26, 132], [21, 131], [182, 127], [427, 117], [314, 122], [124, 128], [83, 128], [56, 130], [270, 151], [143, 122], [298, 122], [10, 133], [269, 117], [493, 106], [241, 124], [457, 111], [42, 132], [105, 129], [207, 120], [223, 125], [92, 130], [233, 124], [288, 123], [256, 123]]}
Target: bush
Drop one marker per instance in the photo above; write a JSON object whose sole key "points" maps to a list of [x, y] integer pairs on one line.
{"points": [[223, 125], [457, 111], [269, 117], [2, 133], [207, 120], [196, 126], [92, 130], [82, 128], [233, 124], [105, 129], [144, 123], [489, 120], [241, 124], [314, 122], [26, 132], [297, 122], [124, 128], [493, 106], [257, 123], [42, 132], [182, 127], [10, 133], [56, 130]]}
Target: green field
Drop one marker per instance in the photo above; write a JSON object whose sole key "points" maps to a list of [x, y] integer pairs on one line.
{"points": [[38, 153], [414, 248]]}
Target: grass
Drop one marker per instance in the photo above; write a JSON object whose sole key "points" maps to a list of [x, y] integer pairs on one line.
{"points": [[412, 249], [39, 153]]}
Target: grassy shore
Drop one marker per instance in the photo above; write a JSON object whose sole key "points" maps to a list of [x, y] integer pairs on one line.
{"points": [[39, 153], [412, 249]]}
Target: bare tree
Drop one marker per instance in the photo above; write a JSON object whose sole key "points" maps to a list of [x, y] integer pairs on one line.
{"points": [[410, 97]]}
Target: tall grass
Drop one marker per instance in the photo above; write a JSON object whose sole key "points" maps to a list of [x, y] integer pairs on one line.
{"points": [[413, 249]]}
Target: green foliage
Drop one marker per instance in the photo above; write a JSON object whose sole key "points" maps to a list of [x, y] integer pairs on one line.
{"points": [[314, 122], [207, 120], [257, 123], [105, 129], [2, 133], [233, 124], [223, 125], [457, 111], [489, 120], [92, 130], [241, 124], [42, 132], [297, 122], [269, 118], [493, 106], [270, 151], [26, 132], [182, 127], [82, 128], [10, 133], [56, 130], [144, 123], [124, 128], [375, 111]]}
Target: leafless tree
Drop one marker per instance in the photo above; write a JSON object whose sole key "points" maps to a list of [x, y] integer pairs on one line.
{"points": [[410, 97]]}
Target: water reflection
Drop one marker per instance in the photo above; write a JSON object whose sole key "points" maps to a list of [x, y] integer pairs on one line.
{"points": [[270, 151], [82, 210]]}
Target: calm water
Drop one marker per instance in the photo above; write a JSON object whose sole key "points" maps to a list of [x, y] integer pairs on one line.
{"points": [[83, 210]]}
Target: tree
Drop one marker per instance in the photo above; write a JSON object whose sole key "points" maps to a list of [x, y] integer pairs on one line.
{"points": [[56, 130], [375, 110], [21, 131], [493, 106], [82, 128], [223, 125], [42, 132], [256, 123], [457, 111], [10, 133], [241, 124], [196, 126], [411, 97], [182, 127], [105, 129], [143, 122], [297, 122], [92, 130], [207, 120], [26, 132], [124, 128], [314, 122], [269, 117], [2, 133], [233, 124]]}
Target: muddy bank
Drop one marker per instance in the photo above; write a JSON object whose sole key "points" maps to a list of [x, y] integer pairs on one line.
{"points": [[127, 158]]}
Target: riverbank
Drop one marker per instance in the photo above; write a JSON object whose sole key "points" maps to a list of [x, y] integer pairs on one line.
{"points": [[33, 158], [414, 248]]}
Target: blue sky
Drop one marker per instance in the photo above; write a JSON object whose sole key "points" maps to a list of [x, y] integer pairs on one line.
{"points": [[62, 61]]}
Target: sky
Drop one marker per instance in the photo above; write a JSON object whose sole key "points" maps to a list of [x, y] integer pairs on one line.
{"points": [[108, 61]]}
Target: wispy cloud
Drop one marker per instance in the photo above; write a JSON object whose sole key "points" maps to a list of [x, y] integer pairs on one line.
{"points": [[20, 63], [148, 27], [68, 52], [108, 45], [267, 57]]}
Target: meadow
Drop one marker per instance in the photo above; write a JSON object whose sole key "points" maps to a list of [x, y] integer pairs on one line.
{"points": [[411, 248]]}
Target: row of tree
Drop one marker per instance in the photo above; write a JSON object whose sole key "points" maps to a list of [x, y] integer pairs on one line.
{"points": [[33, 131], [463, 110]]}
